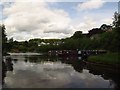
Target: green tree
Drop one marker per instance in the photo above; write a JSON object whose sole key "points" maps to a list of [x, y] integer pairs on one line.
{"points": [[4, 40], [116, 20], [77, 34]]}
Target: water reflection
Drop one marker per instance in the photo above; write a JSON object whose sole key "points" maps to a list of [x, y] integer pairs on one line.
{"points": [[7, 65], [78, 65], [39, 71], [107, 73], [15, 60], [4, 70]]}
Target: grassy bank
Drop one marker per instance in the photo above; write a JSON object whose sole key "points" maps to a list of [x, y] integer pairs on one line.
{"points": [[108, 58]]}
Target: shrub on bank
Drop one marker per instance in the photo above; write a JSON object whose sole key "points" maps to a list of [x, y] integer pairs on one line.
{"points": [[108, 58]]}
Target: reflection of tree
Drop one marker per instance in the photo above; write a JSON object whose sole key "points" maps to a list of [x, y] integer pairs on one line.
{"points": [[4, 69], [106, 73], [9, 64], [6, 66], [77, 65], [25, 60], [35, 59], [15, 60]]}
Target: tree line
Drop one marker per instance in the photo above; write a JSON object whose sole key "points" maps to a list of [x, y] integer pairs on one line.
{"points": [[95, 39]]}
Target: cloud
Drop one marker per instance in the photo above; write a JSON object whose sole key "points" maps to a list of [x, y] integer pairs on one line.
{"points": [[26, 20], [0, 22], [90, 4], [107, 20], [87, 24]]}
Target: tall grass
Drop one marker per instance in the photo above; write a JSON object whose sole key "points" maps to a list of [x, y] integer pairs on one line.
{"points": [[108, 58]]}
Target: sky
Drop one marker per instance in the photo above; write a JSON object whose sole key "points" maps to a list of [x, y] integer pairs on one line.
{"points": [[55, 19]]}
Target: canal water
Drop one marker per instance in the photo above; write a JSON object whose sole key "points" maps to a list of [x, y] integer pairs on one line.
{"points": [[37, 71]]}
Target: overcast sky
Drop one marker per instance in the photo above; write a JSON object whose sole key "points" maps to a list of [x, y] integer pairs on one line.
{"points": [[26, 20]]}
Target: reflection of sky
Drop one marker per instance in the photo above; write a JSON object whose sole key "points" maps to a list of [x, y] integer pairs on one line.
{"points": [[52, 74]]}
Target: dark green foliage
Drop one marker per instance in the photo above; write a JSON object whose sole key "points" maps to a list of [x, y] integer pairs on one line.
{"points": [[109, 58], [77, 34], [4, 40], [116, 22], [107, 41]]}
